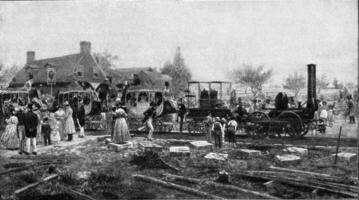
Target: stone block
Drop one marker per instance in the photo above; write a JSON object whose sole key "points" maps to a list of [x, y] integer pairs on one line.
{"points": [[287, 158], [119, 147], [180, 151], [149, 146], [217, 156], [347, 157], [297, 151], [249, 153], [201, 145], [238, 164]]}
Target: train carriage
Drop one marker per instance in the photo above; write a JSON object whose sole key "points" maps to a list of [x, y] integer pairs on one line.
{"points": [[207, 97], [137, 101]]}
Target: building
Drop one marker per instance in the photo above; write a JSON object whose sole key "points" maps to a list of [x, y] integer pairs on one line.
{"points": [[68, 70], [141, 77]]}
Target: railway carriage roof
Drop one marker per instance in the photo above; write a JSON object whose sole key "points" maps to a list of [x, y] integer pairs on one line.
{"points": [[144, 90], [209, 82]]}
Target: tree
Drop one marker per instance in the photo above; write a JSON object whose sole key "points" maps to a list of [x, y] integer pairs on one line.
{"points": [[178, 71], [336, 83], [252, 77], [322, 83], [7, 73], [295, 82], [106, 60]]}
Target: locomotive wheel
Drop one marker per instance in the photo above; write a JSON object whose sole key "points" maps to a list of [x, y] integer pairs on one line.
{"points": [[295, 126]]}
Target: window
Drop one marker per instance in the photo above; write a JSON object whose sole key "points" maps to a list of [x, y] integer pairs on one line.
{"points": [[143, 97]]}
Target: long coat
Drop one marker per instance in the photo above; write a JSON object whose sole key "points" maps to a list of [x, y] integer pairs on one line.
{"points": [[81, 115], [31, 122]]}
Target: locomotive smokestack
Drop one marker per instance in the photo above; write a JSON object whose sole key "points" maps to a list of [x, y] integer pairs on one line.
{"points": [[312, 94]]}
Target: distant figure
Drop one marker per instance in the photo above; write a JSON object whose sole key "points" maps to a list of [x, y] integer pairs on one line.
{"points": [[121, 133], [181, 114], [81, 119], [69, 122], [217, 130], [31, 123], [166, 91], [20, 114], [231, 130], [54, 125], [46, 130], [350, 109], [150, 114], [209, 123], [60, 117], [330, 115], [9, 137]]}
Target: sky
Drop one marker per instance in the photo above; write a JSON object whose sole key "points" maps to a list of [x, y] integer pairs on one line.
{"points": [[215, 36]]}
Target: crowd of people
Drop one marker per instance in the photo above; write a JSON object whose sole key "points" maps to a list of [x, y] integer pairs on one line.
{"points": [[32, 124]]}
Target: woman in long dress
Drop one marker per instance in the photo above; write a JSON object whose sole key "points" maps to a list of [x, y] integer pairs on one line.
{"points": [[55, 134], [60, 117], [9, 138], [69, 122], [121, 133]]}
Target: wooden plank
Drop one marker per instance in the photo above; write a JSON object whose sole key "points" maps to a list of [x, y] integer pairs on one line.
{"points": [[223, 186], [33, 185], [308, 173], [17, 169], [185, 189], [296, 182]]}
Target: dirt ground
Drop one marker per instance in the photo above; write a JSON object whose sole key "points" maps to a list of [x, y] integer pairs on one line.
{"points": [[91, 168]]}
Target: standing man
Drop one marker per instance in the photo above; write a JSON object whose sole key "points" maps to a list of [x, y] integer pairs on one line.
{"points": [[351, 109], [209, 123], [231, 130], [20, 114], [31, 123], [218, 132], [81, 119], [181, 114], [149, 115]]}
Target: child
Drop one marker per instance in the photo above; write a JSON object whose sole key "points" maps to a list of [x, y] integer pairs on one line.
{"points": [[46, 130]]}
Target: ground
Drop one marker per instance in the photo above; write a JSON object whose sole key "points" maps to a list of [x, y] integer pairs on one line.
{"points": [[90, 167]]}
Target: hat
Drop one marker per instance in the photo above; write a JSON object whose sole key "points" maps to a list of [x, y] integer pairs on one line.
{"points": [[217, 119], [66, 103]]}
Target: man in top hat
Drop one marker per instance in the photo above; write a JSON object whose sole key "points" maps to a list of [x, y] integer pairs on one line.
{"points": [[31, 123]]}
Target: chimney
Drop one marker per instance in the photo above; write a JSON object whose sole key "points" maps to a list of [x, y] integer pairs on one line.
{"points": [[30, 56], [85, 47], [312, 93]]}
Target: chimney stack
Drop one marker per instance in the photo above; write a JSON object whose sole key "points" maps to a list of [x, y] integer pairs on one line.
{"points": [[312, 93], [85, 47], [30, 56]]}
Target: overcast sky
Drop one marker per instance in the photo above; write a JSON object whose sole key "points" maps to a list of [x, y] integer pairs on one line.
{"points": [[214, 36]]}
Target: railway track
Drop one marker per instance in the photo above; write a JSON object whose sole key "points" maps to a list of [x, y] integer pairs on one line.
{"points": [[307, 140], [252, 184]]}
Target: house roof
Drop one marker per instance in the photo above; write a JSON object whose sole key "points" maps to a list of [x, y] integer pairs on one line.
{"points": [[65, 67], [149, 78]]}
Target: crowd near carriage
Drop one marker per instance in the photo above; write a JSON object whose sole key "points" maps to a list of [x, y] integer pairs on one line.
{"points": [[202, 99]]}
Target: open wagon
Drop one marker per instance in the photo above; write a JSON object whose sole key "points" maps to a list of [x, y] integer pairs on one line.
{"points": [[207, 97]]}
